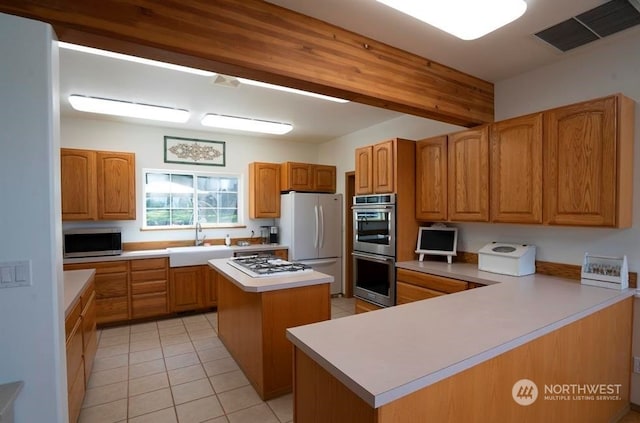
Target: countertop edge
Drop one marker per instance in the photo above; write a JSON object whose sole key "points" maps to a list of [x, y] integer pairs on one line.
{"points": [[8, 394], [74, 283]]}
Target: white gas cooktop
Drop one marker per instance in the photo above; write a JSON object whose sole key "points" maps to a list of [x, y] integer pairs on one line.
{"points": [[266, 266]]}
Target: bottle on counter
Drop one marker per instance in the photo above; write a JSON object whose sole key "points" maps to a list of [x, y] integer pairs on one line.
{"points": [[227, 240]]}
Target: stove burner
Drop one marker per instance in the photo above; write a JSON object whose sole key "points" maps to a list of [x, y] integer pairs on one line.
{"points": [[260, 266]]}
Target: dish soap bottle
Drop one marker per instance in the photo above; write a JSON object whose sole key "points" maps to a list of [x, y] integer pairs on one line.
{"points": [[227, 240]]}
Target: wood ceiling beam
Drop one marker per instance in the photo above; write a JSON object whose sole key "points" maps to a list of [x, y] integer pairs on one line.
{"points": [[262, 41]]}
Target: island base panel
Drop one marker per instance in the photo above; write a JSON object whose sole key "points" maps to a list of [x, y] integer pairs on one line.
{"points": [[594, 350], [252, 325]]}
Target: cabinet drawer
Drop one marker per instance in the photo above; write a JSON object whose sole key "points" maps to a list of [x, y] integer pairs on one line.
{"points": [[407, 293], [364, 306], [88, 292], [102, 267], [149, 275], [148, 264], [148, 287], [113, 285], [148, 305], [89, 319], [112, 310], [437, 283], [72, 319]]}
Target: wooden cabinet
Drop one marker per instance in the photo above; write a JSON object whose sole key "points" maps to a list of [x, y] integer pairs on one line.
{"points": [[364, 306], [211, 288], [431, 179], [468, 175], [414, 286], [187, 287], [97, 185], [116, 177], [384, 163], [588, 153], [364, 170], [81, 345], [516, 170], [307, 177], [264, 190], [112, 289], [78, 184], [283, 254], [149, 287]]}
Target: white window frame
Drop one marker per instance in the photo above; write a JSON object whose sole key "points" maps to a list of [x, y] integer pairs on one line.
{"points": [[195, 174]]}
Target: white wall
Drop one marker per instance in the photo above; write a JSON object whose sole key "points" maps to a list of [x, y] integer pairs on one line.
{"points": [[32, 345], [147, 142]]}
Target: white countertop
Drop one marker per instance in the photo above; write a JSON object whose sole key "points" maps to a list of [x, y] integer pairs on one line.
{"points": [[74, 283], [271, 283], [387, 354], [146, 254]]}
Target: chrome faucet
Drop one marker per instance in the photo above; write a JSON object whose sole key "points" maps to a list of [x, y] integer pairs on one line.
{"points": [[198, 240]]}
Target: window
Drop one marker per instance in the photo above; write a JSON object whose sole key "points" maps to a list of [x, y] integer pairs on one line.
{"points": [[176, 199]]}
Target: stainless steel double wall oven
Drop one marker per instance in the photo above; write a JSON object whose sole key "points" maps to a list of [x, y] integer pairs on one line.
{"points": [[374, 248]]}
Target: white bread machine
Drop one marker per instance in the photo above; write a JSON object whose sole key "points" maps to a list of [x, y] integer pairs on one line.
{"points": [[507, 259]]}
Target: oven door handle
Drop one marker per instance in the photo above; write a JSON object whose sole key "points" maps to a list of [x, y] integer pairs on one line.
{"points": [[373, 257]]}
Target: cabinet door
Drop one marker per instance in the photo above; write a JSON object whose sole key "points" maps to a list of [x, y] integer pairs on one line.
{"points": [[186, 286], [469, 175], [408, 293], [431, 179], [296, 176], [383, 167], [363, 306], [580, 164], [364, 170], [89, 334], [116, 186], [78, 184], [211, 291], [324, 178], [264, 190], [516, 170]]}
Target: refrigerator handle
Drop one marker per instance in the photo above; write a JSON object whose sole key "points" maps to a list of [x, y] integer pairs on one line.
{"points": [[321, 227], [315, 239]]}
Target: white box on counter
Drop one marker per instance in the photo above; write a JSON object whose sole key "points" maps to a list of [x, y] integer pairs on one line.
{"points": [[604, 271], [507, 259]]}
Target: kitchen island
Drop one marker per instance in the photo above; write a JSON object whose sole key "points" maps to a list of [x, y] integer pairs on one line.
{"points": [[254, 314], [457, 357]]}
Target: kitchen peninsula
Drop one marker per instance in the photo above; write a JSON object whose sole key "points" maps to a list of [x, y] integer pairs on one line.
{"points": [[457, 357], [254, 314]]}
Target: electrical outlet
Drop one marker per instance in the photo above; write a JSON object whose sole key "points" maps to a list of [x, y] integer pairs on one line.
{"points": [[636, 364]]}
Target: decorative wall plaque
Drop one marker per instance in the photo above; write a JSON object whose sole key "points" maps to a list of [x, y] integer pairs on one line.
{"points": [[194, 151]]}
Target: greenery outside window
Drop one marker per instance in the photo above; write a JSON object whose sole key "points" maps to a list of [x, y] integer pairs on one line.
{"points": [[175, 199]]}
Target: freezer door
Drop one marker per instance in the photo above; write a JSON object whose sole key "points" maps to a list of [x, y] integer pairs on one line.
{"points": [[330, 225], [331, 266]]}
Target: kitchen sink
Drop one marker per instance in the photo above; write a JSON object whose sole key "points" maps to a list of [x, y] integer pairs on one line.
{"points": [[194, 256]]}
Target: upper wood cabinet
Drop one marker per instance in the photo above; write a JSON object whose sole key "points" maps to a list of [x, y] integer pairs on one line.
{"points": [[431, 179], [468, 175], [588, 153], [264, 190], [308, 177], [97, 185], [516, 170], [364, 170], [384, 163]]}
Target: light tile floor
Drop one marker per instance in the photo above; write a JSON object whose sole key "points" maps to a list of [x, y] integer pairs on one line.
{"points": [[177, 371]]}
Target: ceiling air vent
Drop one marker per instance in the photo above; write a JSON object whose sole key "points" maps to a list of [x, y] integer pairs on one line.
{"points": [[593, 24]]}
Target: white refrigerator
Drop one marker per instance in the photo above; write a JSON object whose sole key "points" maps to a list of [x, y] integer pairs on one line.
{"points": [[311, 226]]}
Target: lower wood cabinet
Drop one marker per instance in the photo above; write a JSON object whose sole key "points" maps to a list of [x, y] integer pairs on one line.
{"points": [[415, 286], [81, 345], [187, 287], [149, 287], [211, 288], [364, 306]]}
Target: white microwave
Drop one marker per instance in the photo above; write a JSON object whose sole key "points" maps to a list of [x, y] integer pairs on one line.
{"points": [[92, 242]]}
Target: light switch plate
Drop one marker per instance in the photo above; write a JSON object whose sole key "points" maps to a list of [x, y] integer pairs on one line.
{"points": [[15, 273]]}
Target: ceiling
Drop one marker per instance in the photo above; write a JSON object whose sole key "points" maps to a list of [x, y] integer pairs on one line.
{"points": [[505, 53]]}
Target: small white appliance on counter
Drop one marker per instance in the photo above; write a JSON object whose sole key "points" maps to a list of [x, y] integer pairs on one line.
{"points": [[507, 259]]}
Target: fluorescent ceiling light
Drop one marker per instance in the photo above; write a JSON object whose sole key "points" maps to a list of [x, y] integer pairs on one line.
{"points": [[246, 124], [135, 59], [466, 19], [291, 90], [127, 109]]}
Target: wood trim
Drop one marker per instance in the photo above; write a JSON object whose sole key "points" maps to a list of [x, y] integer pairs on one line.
{"points": [[259, 40]]}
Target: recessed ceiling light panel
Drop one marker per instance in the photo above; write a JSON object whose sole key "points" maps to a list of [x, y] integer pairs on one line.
{"points": [[465, 19], [127, 109], [246, 124]]}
